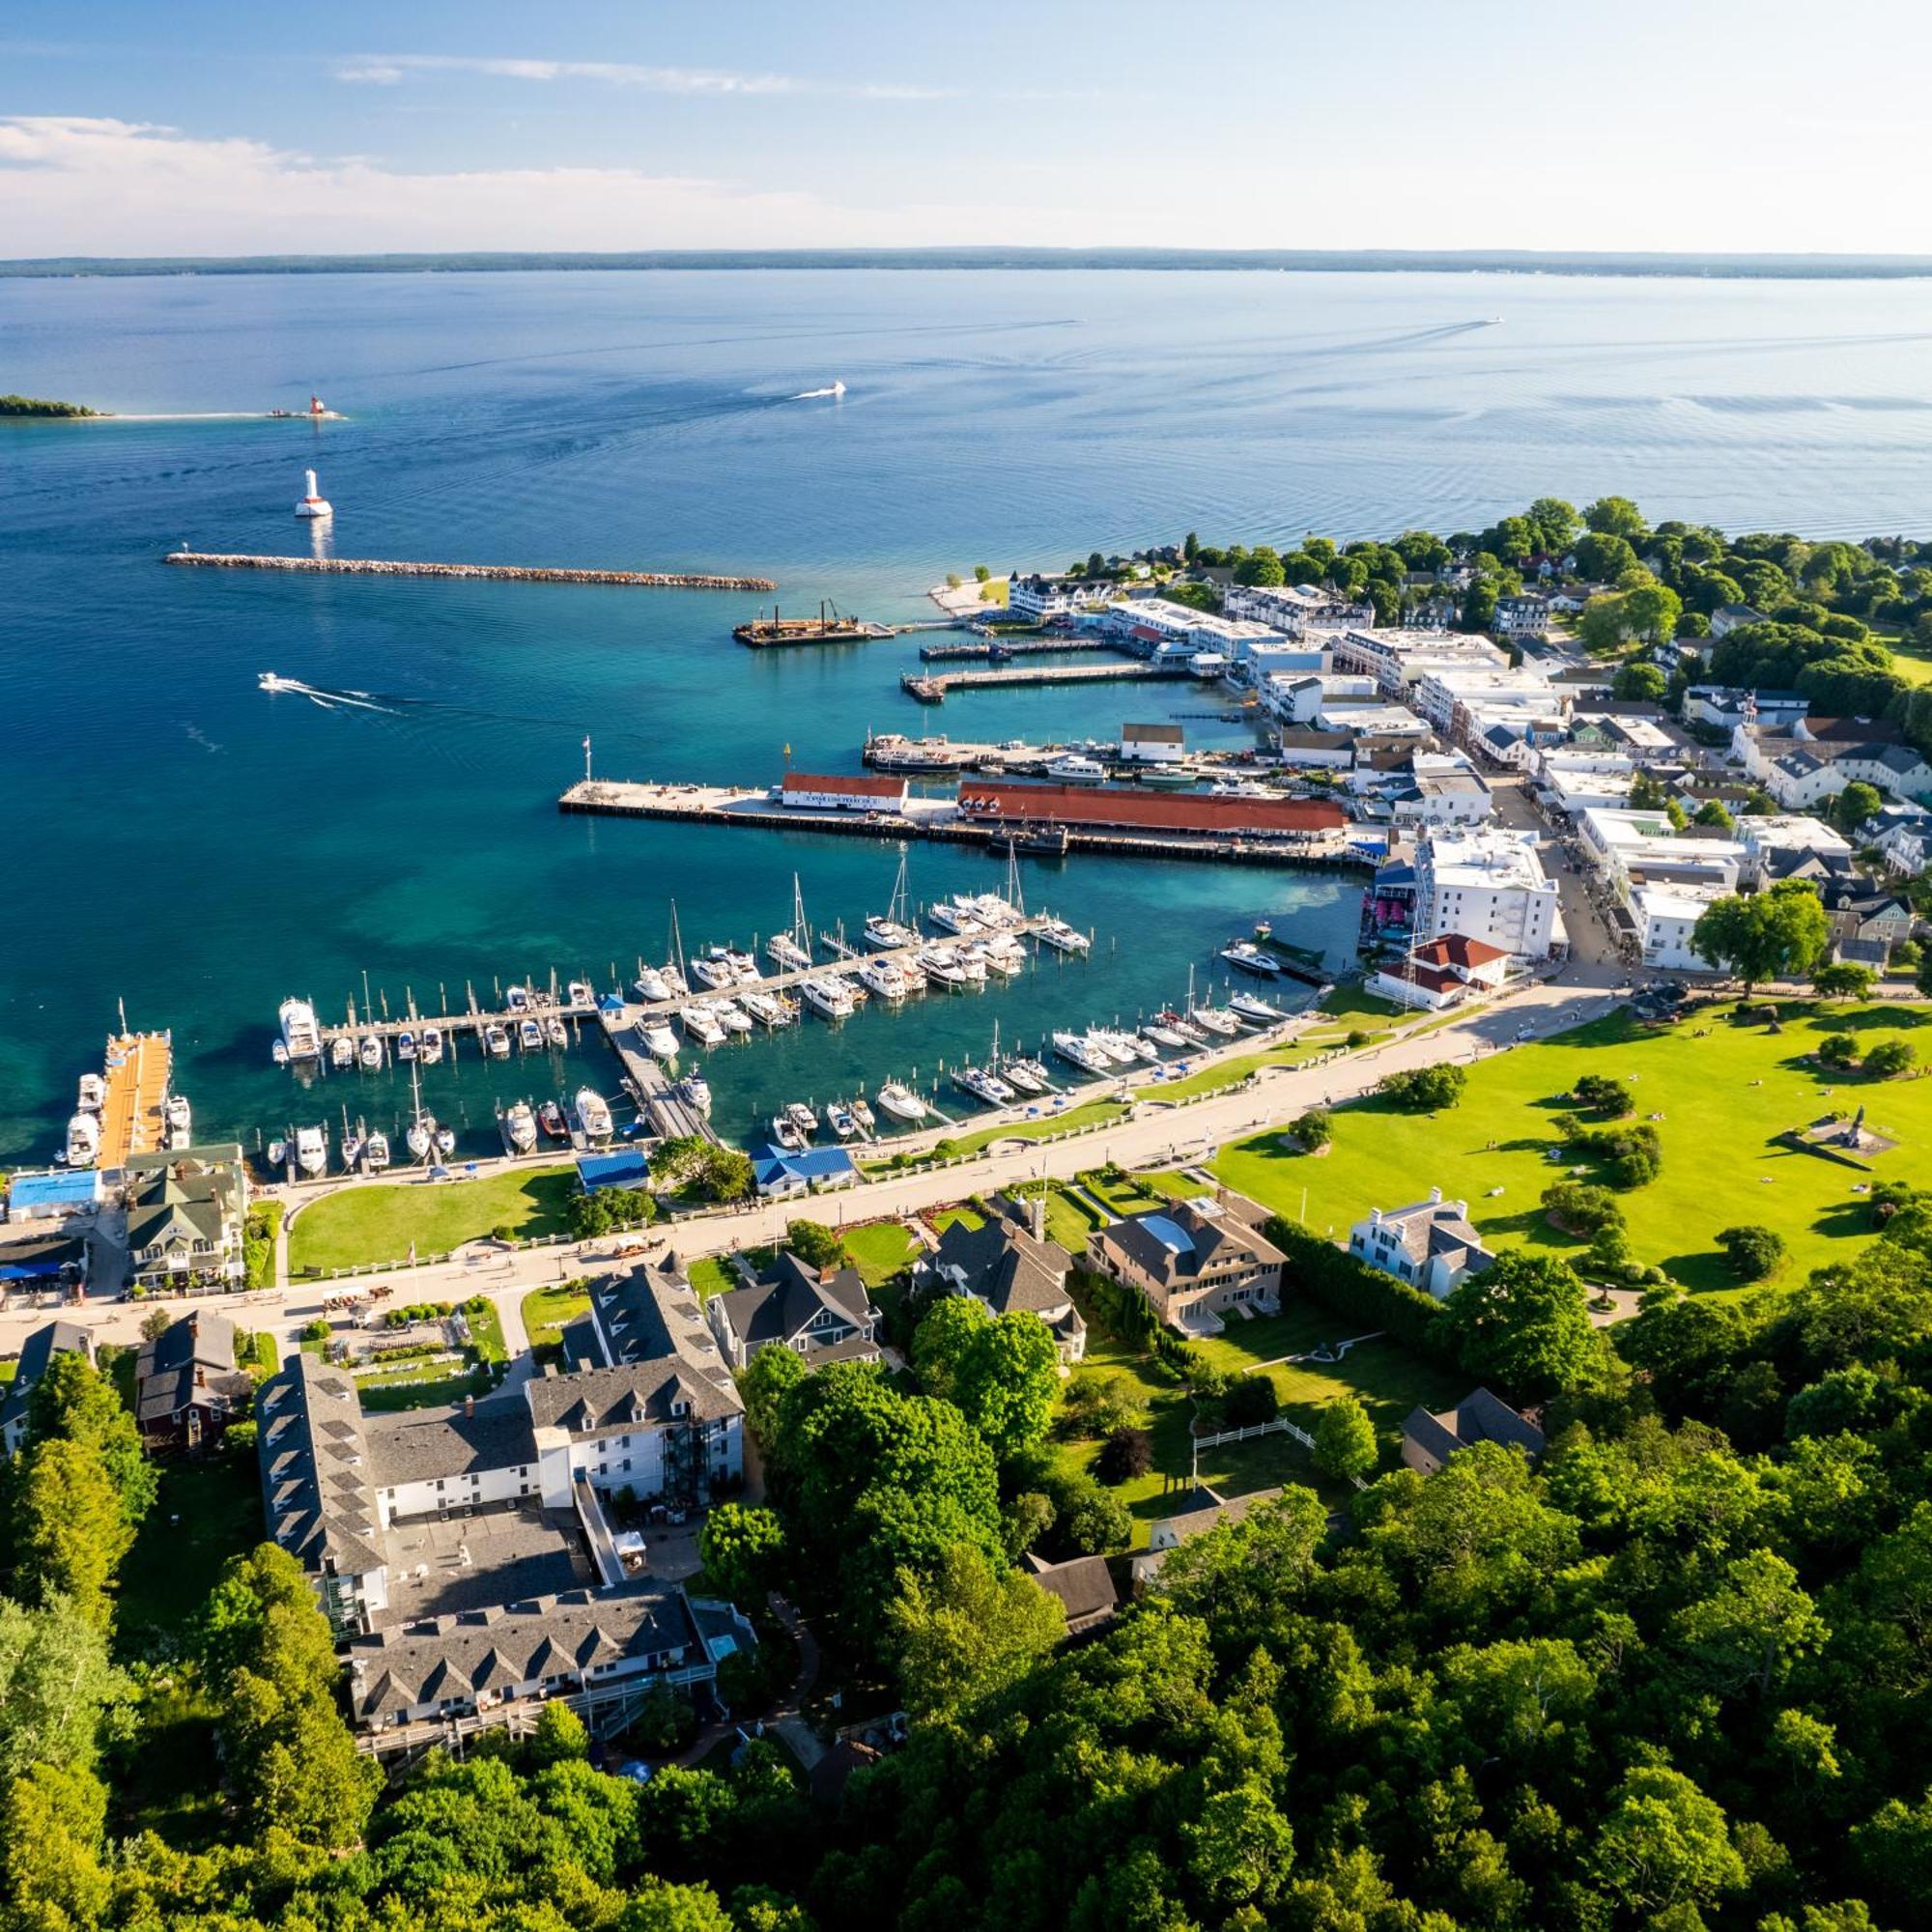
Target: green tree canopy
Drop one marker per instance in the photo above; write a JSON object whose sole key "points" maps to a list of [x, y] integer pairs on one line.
{"points": [[969, 1630], [1777, 933], [1523, 1323]]}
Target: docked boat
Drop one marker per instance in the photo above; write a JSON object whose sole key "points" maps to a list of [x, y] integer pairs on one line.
{"points": [[369, 1051], [83, 1141], [277, 1152], [301, 1034], [549, 1118], [519, 1127], [950, 916], [351, 1145], [660, 1043], [677, 984], [1249, 1008], [902, 1103], [700, 1024], [594, 1114], [841, 1119], [745, 968], [376, 1153], [406, 1045], [446, 1140], [556, 1033], [1159, 1035], [714, 966], [650, 985], [984, 1085], [886, 935], [278, 1052], [763, 1008], [1126, 1047], [421, 1136], [1003, 954], [312, 1150], [1063, 938], [517, 998], [787, 954], [180, 1118], [1076, 770], [942, 963], [1178, 1023], [1249, 957], [496, 1041], [531, 1035], [432, 1045], [787, 1135], [1242, 788], [972, 962], [1079, 1051], [828, 996], [1167, 778], [991, 910], [865, 1117], [1045, 841], [342, 1051], [803, 1118], [830, 627], [581, 995], [695, 1090], [92, 1093], [885, 977], [730, 1015], [1217, 1020], [1028, 1075]]}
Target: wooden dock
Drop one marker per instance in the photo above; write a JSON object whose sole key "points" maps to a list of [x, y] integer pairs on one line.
{"points": [[931, 687], [511, 573], [991, 650], [473, 1020], [670, 1115], [137, 1072]]}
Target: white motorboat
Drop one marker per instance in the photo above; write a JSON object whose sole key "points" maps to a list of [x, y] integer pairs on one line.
{"points": [[278, 1052], [376, 1153], [300, 1033], [1242, 788], [984, 1085], [519, 1127], [277, 1152], [745, 971], [951, 916], [594, 1114], [841, 1119], [1178, 1023], [991, 910], [531, 1035], [351, 1146], [446, 1140], [1076, 770], [1125, 1047], [517, 998], [942, 963], [677, 984], [763, 1008], [556, 1033], [432, 1045], [1028, 1075], [1063, 938], [700, 1024], [581, 996], [660, 1043], [972, 962], [695, 1090], [83, 1141], [369, 1051], [92, 1093], [1251, 1008], [887, 935], [342, 1051], [803, 1118], [180, 1118], [1217, 1020], [496, 1041], [1080, 1051], [1249, 957], [714, 967], [830, 997], [786, 1136], [650, 986], [1164, 1036], [312, 1150], [865, 1117], [406, 1046], [1003, 954], [787, 954], [730, 1015], [885, 977], [902, 1103]]}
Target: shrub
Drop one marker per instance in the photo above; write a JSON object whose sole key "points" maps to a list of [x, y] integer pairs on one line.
{"points": [[1357, 1037], [1096, 1405], [1752, 1252], [1312, 1131], [1631, 1153], [317, 1331], [1252, 1400], [1581, 1208], [1889, 1057], [1845, 979], [1425, 1090], [1125, 1454], [1602, 1094], [1358, 1293], [1837, 1049]]}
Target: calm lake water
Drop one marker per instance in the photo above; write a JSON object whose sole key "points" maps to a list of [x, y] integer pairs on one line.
{"points": [[186, 843]]}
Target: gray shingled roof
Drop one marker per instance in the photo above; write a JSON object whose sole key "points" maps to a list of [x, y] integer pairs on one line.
{"points": [[785, 1301], [1084, 1587], [1215, 1240], [1005, 1266], [318, 1484], [191, 1360], [50, 1339], [1479, 1417], [631, 1395], [419, 1444]]}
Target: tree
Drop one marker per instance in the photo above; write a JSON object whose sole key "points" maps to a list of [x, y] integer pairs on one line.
{"points": [[1260, 566], [946, 1333], [1521, 1322], [815, 1244], [1744, 1635], [1615, 516], [51, 1874], [74, 1402], [70, 1530], [1581, 1206], [560, 1737], [1843, 980], [1252, 1400], [1752, 1252], [56, 1684], [742, 1546], [1425, 1090], [1312, 1131], [968, 1630], [1889, 1057], [1638, 683], [1855, 805], [1665, 1844], [1345, 1440], [764, 1381], [1837, 1049], [1125, 1454], [156, 1323], [1602, 1094], [1715, 814], [1009, 1381], [1674, 810], [1774, 934], [1241, 1846]]}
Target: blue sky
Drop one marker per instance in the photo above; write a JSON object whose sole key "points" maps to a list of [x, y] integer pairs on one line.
{"points": [[127, 127]]}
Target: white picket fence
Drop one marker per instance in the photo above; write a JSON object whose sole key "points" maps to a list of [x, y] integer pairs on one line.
{"points": [[1280, 1426]]}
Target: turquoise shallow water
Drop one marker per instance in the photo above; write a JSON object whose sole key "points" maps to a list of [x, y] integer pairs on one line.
{"points": [[181, 841]]}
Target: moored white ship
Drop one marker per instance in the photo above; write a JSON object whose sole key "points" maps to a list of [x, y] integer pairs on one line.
{"points": [[594, 1114]]}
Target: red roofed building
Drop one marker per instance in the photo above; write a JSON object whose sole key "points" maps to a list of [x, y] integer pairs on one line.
{"points": [[837, 792], [994, 802], [1440, 972]]}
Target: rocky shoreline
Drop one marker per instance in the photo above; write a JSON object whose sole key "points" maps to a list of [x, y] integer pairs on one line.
{"points": [[362, 566]]}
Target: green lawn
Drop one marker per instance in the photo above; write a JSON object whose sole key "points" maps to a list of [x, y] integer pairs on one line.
{"points": [[486, 1331], [1090, 1114], [208, 1511], [361, 1226], [1724, 1098], [1070, 1220], [968, 1218], [383, 1396], [1349, 1003], [711, 1276], [258, 1242], [879, 1250], [548, 1311]]}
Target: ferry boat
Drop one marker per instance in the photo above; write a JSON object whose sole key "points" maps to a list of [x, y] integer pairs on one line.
{"points": [[180, 1118], [1028, 1075], [984, 1085], [594, 1114], [660, 1043], [700, 1024], [342, 1051], [549, 1118], [432, 1045], [312, 1150], [92, 1093], [531, 1036], [830, 997], [1079, 1050], [695, 1090], [83, 1141], [1063, 938], [902, 1103], [376, 1153], [496, 1041], [1249, 1008], [1249, 957], [301, 1034], [885, 977], [519, 1127], [1076, 770], [406, 1045], [369, 1051]]}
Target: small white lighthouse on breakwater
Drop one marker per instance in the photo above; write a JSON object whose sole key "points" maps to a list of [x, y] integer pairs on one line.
{"points": [[314, 503]]}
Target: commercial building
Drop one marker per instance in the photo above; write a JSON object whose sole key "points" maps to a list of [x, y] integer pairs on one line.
{"points": [[65, 1194], [1399, 658], [186, 1212], [1116, 809], [1488, 884], [1037, 599], [834, 791], [1442, 973], [1295, 610], [1152, 745], [780, 1172]]}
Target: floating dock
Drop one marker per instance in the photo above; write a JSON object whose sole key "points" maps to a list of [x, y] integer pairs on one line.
{"points": [[513, 572], [931, 687], [670, 1116], [138, 1070], [984, 650], [473, 1020]]}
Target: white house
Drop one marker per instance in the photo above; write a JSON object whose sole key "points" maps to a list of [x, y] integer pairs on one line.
{"points": [[1036, 599], [1441, 973], [1728, 617], [1431, 1245], [1152, 745]]}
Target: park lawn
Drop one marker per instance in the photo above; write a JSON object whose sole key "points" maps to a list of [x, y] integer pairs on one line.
{"points": [[548, 1311], [969, 1218], [207, 1512], [879, 1250], [385, 1395], [709, 1276], [1724, 1098], [361, 1226]]}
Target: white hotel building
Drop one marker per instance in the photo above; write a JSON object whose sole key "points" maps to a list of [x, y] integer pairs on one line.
{"points": [[1488, 883]]}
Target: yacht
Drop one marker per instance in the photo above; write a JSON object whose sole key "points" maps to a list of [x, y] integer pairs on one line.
{"points": [[549, 1118], [1075, 769], [785, 1134], [972, 962], [650, 985], [1217, 1020], [342, 1051], [1178, 1023], [676, 983], [519, 1127], [312, 1150], [1003, 954], [942, 963], [763, 1008], [531, 1035], [556, 1033], [300, 1033], [787, 954], [179, 1118], [700, 1025], [406, 1045], [902, 1103], [1242, 788], [1028, 1075], [1249, 1008], [803, 1118], [277, 1152], [1126, 1047], [1081, 1051], [376, 1153], [517, 998], [1164, 1036], [581, 995], [744, 967], [991, 910], [887, 935], [864, 1115], [594, 1114], [840, 1118], [984, 1085], [83, 1141], [730, 1015], [885, 977], [714, 966], [446, 1140], [660, 1043], [1250, 958], [1063, 938], [369, 1051], [432, 1045], [92, 1093], [830, 997], [695, 1090], [496, 1041], [951, 917]]}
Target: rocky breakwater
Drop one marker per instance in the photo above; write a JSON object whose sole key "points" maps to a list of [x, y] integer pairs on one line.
{"points": [[517, 573]]}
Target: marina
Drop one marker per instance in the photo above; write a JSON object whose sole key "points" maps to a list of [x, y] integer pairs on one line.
{"points": [[138, 1072], [512, 573], [995, 649]]}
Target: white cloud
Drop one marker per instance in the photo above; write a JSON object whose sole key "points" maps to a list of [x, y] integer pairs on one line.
{"points": [[387, 70], [77, 185]]}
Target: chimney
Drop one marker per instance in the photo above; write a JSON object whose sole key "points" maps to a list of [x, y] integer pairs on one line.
{"points": [[200, 1376], [1434, 1196], [469, 1404], [1039, 1216]]}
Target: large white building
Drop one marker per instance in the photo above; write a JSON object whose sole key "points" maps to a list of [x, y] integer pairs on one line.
{"points": [[1294, 609], [1157, 621], [1401, 657], [1488, 884], [1036, 599], [1663, 879]]}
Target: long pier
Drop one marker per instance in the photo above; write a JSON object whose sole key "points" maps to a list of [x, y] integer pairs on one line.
{"points": [[473, 1019], [931, 688], [513, 573], [991, 651], [137, 1073], [671, 1117]]}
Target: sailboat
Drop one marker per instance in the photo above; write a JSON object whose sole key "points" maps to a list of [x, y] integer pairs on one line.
{"points": [[892, 928], [420, 1136], [791, 952]]}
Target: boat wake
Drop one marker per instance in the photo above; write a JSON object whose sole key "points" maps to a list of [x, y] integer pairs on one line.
{"points": [[811, 395], [328, 700]]}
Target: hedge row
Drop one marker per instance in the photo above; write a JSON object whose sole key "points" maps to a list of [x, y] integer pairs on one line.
{"points": [[1350, 1287]]}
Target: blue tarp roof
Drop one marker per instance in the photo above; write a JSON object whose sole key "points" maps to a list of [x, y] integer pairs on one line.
{"points": [[626, 1168], [54, 1190]]}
